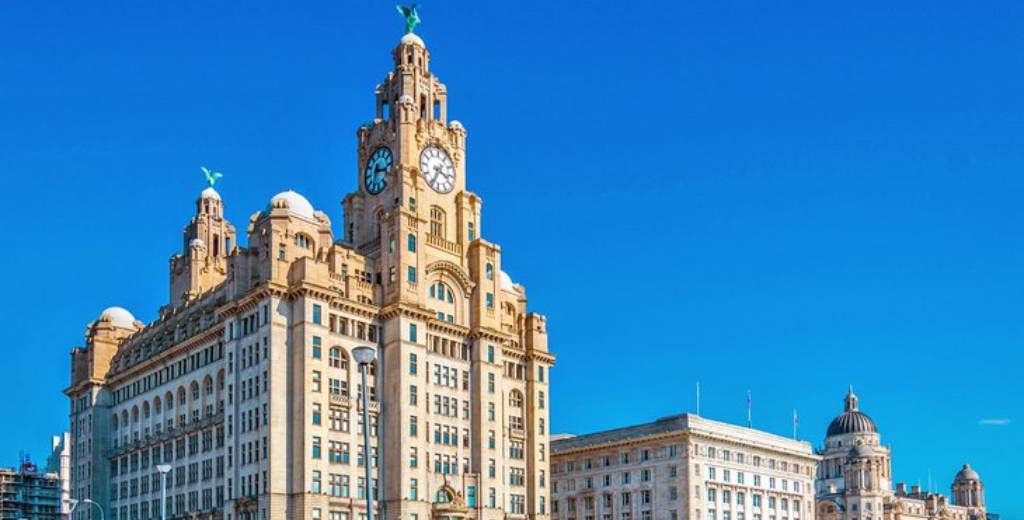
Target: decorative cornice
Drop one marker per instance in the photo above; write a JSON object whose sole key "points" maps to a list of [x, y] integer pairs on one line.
{"points": [[211, 334]]}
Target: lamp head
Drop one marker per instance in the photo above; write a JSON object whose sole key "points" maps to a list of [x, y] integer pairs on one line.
{"points": [[163, 468], [364, 355]]}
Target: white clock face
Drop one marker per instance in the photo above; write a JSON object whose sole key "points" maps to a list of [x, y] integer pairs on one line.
{"points": [[438, 169]]}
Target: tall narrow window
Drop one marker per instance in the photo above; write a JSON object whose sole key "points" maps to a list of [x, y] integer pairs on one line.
{"points": [[411, 243], [437, 221], [472, 231]]}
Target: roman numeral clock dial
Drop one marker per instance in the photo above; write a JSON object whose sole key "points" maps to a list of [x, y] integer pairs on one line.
{"points": [[376, 171], [437, 169]]}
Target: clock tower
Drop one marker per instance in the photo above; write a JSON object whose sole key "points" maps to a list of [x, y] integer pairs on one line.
{"points": [[464, 364]]}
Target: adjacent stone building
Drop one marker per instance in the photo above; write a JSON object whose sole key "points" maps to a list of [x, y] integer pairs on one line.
{"points": [[245, 383], [855, 478], [682, 467]]}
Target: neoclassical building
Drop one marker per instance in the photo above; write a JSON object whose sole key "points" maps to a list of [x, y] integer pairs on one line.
{"points": [[245, 384], [683, 467], [855, 480]]}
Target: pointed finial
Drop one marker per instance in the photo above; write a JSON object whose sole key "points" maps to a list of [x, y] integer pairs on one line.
{"points": [[211, 176], [411, 15]]}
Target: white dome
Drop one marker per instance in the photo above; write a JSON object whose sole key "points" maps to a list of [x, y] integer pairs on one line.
{"points": [[506, 282], [197, 242], [119, 316], [456, 124], [210, 193], [296, 204], [412, 39]]}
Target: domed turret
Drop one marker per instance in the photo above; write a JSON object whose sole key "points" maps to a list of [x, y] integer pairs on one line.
{"points": [[118, 317], [295, 204], [967, 473], [412, 39], [967, 488], [209, 193], [852, 420]]}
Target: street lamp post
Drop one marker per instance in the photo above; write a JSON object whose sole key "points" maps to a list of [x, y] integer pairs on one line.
{"points": [[102, 514], [164, 470], [74, 504], [364, 356]]}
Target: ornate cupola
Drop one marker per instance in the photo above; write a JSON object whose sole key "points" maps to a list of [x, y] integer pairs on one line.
{"points": [[208, 239], [852, 420], [968, 491]]}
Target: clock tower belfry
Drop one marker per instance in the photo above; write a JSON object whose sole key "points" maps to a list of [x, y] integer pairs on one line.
{"points": [[411, 173]]}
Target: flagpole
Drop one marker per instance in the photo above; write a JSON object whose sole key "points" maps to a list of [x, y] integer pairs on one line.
{"points": [[698, 397], [750, 414], [796, 423]]}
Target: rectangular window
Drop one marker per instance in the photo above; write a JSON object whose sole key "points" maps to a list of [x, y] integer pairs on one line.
{"points": [[490, 353], [316, 347], [412, 332], [316, 314], [490, 300], [411, 274], [412, 364]]}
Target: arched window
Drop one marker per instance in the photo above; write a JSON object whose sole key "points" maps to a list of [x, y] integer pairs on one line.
{"points": [[472, 231], [208, 386], [169, 399], [157, 405], [411, 243], [113, 422], [444, 496], [145, 409], [380, 222], [303, 241], [489, 271], [337, 358], [194, 391], [135, 414], [437, 226]]}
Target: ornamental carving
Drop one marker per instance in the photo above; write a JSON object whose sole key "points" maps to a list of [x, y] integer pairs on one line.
{"points": [[456, 272]]}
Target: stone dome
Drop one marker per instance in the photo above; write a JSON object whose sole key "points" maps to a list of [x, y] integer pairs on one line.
{"points": [[210, 193], [295, 203], [506, 282], [967, 473], [852, 420], [118, 316], [412, 39]]}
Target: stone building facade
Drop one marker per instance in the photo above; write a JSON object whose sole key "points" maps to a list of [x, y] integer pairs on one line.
{"points": [[854, 479], [682, 467], [245, 383]]}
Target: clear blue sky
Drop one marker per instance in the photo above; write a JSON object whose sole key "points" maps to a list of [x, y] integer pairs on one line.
{"points": [[785, 197]]}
